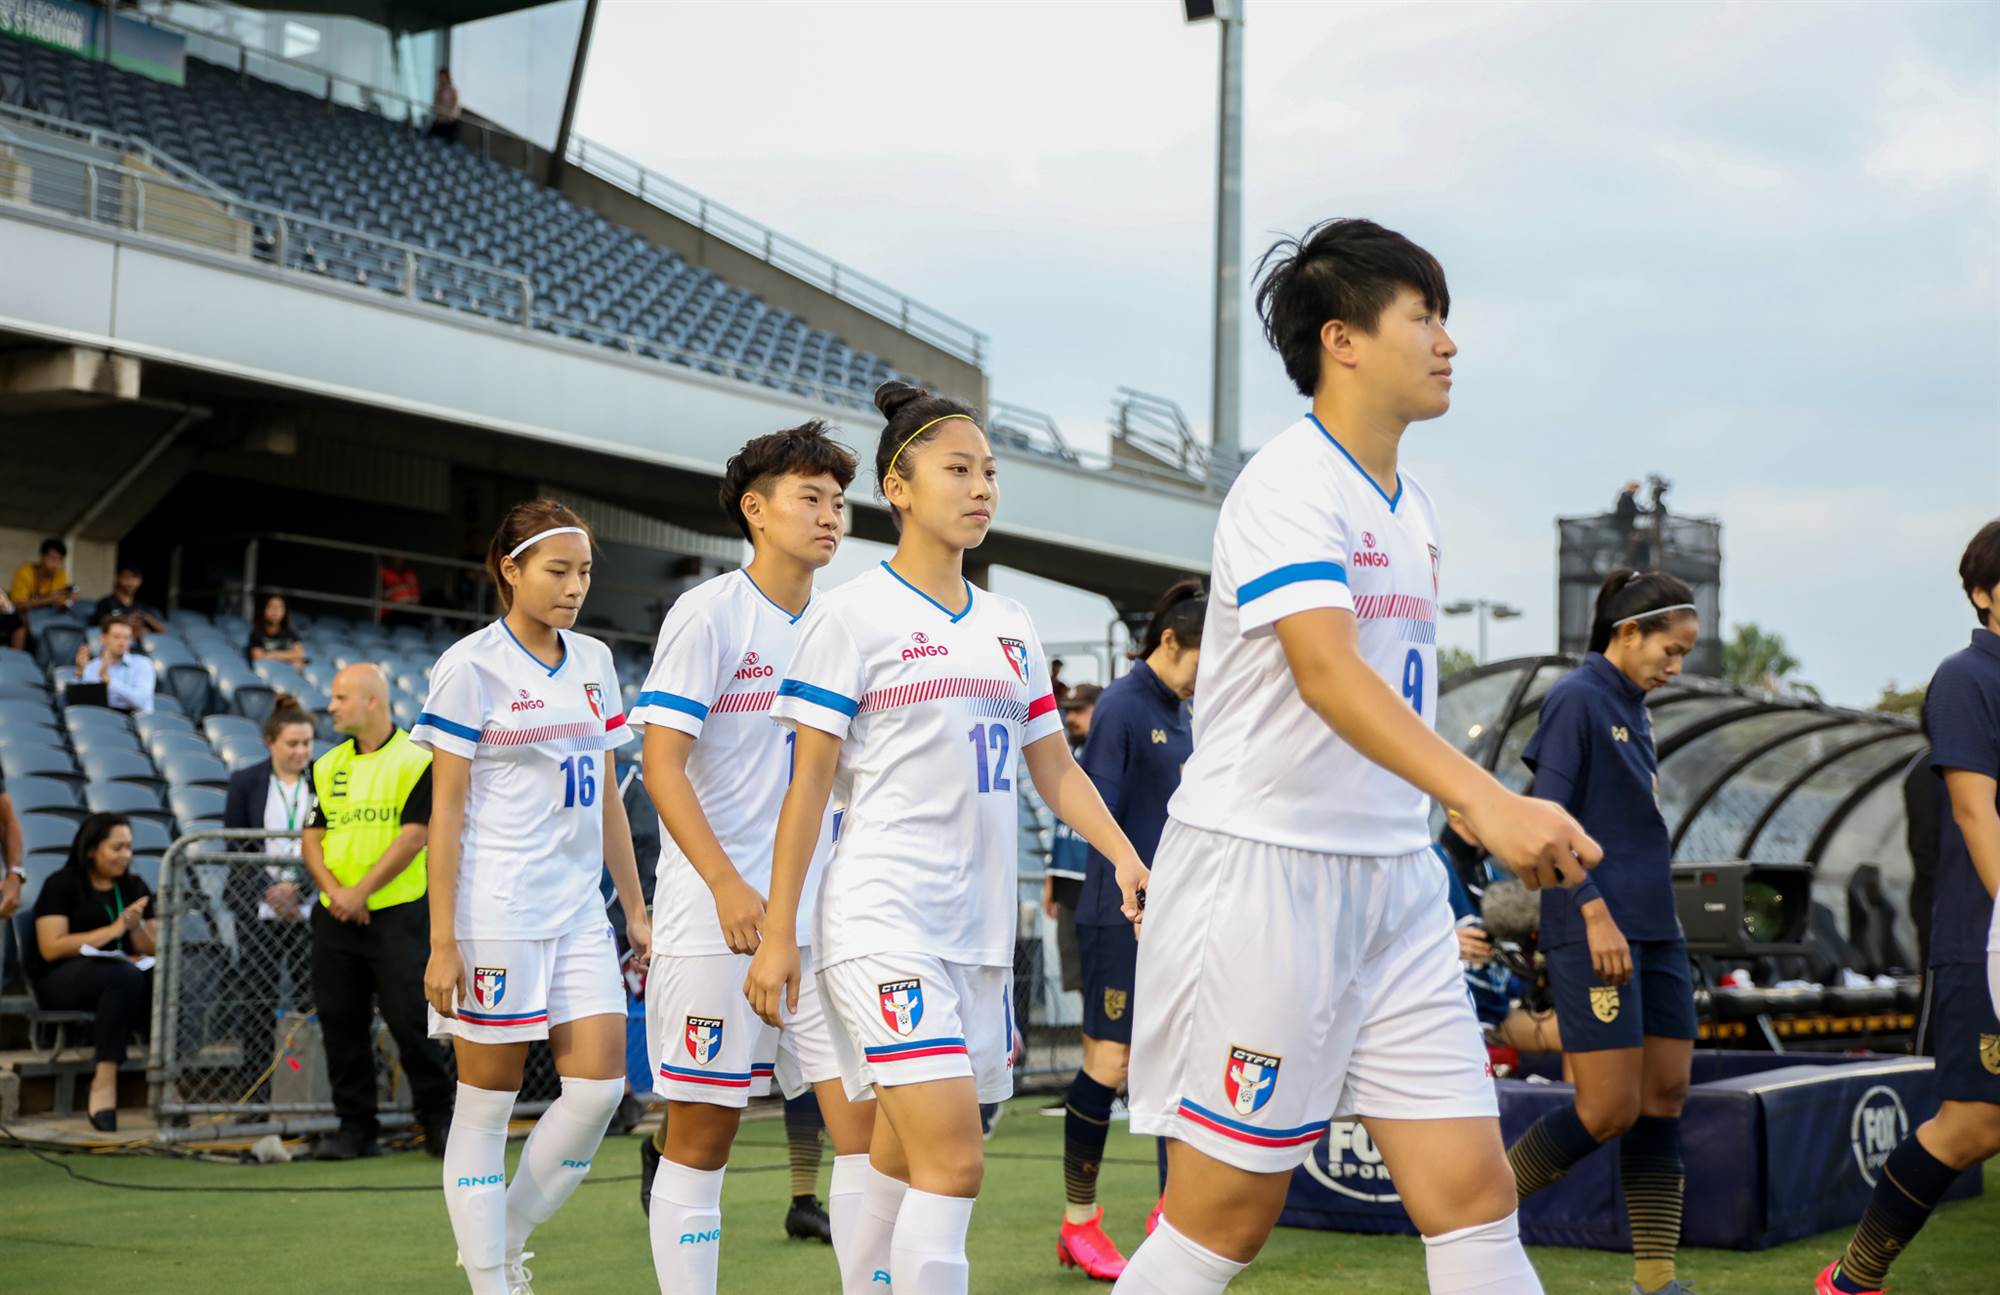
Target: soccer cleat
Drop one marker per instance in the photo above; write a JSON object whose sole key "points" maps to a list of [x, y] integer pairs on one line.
{"points": [[347, 1144], [519, 1280], [1084, 1245], [1674, 1287], [807, 1220], [1825, 1286], [649, 1165], [1153, 1219]]}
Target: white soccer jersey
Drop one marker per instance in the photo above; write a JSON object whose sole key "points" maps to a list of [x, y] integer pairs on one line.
{"points": [[722, 651], [1304, 527], [532, 851], [934, 708]]}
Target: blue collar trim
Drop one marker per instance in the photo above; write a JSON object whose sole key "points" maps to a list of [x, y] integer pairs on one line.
{"points": [[954, 617], [550, 670], [1392, 502]]}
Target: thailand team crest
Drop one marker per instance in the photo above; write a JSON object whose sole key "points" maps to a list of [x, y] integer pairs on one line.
{"points": [[1989, 1053], [1017, 657], [1604, 1002], [1249, 1078], [704, 1038], [595, 696], [902, 1004], [489, 985]]}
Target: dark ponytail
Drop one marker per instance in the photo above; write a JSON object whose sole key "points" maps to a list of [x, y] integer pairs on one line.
{"points": [[908, 407], [1180, 609], [1627, 593]]}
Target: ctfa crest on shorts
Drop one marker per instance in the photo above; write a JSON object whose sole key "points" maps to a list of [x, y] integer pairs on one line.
{"points": [[1114, 1003], [1249, 1078], [489, 985], [704, 1038], [595, 696], [902, 1004], [1017, 657], [1989, 1053], [1604, 1002]]}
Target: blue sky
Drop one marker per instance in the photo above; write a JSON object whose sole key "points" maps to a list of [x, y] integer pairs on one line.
{"points": [[1750, 246]]}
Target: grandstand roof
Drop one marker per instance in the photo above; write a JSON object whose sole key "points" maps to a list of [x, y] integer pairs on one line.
{"points": [[401, 15]]}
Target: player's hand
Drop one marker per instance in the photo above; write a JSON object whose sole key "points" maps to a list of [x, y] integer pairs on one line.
{"points": [[1610, 956], [639, 936], [444, 979], [740, 909], [1534, 839], [773, 983], [1132, 878]]}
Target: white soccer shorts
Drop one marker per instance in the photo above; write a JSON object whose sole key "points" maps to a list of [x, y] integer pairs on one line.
{"points": [[522, 987], [706, 1045], [1279, 989], [907, 1018]]}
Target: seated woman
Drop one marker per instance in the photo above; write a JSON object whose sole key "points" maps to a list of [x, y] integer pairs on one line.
{"points": [[91, 929], [272, 638]]}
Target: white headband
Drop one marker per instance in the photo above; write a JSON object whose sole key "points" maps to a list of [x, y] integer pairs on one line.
{"points": [[533, 540], [1657, 611]]}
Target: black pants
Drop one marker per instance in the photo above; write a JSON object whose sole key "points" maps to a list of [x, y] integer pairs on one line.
{"points": [[120, 994], [269, 948], [356, 970], [444, 130]]}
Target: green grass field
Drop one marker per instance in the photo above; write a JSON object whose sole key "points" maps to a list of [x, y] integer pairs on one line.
{"points": [[379, 1226]]}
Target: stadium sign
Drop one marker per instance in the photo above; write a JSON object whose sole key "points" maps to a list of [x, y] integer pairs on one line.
{"points": [[1346, 1161], [80, 29], [1879, 1126]]}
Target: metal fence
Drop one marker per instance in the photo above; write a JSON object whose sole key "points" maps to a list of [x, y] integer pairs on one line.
{"points": [[236, 1042]]}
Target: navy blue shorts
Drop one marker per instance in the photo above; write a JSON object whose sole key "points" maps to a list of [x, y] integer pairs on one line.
{"points": [[1596, 1017], [1963, 1033], [1110, 963]]}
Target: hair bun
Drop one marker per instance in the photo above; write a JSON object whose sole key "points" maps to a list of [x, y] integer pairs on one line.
{"points": [[285, 701], [895, 395]]}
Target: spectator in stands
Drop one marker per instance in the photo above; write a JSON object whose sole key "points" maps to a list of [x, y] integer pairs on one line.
{"points": [[272, 638], [444, 109], [127, 676], [93, 949], [13, 628], [1062, 883], [272, 904], [1058, 688], [1625, 520], [401, 592], [123, 600], [44, 583], [364, 846]]}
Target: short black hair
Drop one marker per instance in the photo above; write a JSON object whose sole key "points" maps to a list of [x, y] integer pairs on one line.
{"points": [[1347, 269], [54, 543], [1645, 594], [1980, 567], [909, 409], [806, 450]]}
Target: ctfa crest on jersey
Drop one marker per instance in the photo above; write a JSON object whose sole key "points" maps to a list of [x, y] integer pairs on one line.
{"points": [[489, 985], [704, 1038], [1114, 1003], [1249, 1078], [902, 1004], [1017, 656], [595, 696], [1989, 1053], [1604, 1002], [1434, 568]]}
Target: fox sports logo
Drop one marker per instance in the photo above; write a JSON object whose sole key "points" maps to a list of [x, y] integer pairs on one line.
{"points": [[1879, 1126], [1348, 1162]]}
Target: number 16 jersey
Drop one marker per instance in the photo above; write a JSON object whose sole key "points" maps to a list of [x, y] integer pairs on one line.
{"points": [[934, 704], [1302, 528]]}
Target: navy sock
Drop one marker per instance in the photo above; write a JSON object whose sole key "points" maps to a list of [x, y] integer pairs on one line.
{"points": [[1911, 1184], [1546, 1151], [1086, 1124], [1655, 1180]]}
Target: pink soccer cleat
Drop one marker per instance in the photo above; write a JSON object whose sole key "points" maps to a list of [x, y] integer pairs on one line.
{"points": [[1825, 1286], [1084, 1245]]}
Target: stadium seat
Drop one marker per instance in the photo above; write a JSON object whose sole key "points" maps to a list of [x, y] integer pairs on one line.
{"points": [[126, 798], [217, 727], [18, 667], [47, 832], [49, 761], [194, 769], [16, 732], [146, 726], [17, 693], [104, 738], [36, 795], [166, 703], [193, 802], [149, 836], [239, 752], [59, 1028], [163, 741], [120, 766], [96, 719]]}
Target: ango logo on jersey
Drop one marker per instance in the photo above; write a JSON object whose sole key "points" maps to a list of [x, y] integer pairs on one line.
{"points": [[1879, 1126], [1370, 556], [921, 646], [527, 702], [753, 668], [1348, 1162]]}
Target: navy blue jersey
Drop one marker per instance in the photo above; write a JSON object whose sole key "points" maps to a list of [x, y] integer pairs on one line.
{"points": [[1139, 738], [1593, 755], [1962, 710]]}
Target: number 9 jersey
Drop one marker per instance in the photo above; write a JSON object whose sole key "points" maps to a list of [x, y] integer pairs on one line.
{"points": [[532, 851], [1304, 528]]}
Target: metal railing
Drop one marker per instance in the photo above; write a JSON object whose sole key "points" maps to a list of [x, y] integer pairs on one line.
{"points": [[113, 141], [1155, 426], [773, 248]]}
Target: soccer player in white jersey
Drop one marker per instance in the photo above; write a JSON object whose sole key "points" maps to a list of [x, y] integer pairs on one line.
{"points": [[716, 767], [1299, 963], [521, 722], [909, 697]]}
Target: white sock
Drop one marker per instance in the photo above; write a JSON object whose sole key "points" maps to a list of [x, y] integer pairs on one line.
{"points": [[1486, 1259], [686, 1227], [475, 1184], [864, 1265], [558, 1153], [843, 1207], [1167, 1263], [928, 1253]]}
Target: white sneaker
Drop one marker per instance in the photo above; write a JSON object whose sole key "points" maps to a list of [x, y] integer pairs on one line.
{"points": [[519, 1279]]}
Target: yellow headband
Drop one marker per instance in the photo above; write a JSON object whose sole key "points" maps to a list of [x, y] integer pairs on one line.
{"points": [[920, 431]]}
